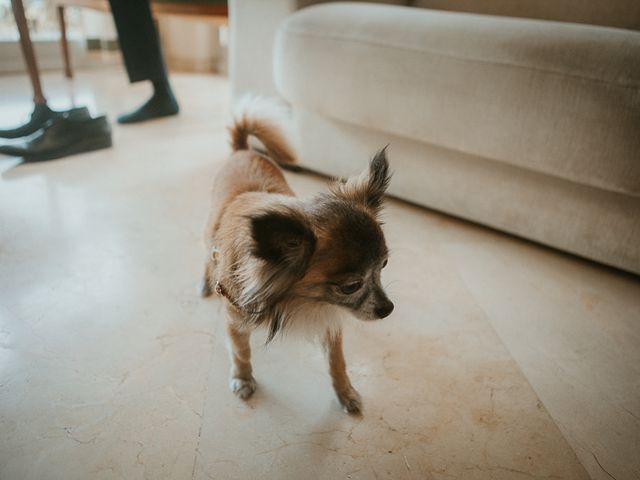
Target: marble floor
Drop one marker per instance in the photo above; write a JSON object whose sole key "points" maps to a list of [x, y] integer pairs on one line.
{"points": [[502, 360]]}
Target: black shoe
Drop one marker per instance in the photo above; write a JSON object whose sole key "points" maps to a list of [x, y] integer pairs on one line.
{"points": [[61, 137], [161, 104], [39, 117]]}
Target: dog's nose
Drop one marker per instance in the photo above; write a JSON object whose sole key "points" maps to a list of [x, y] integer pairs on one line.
{"points": [[384, 309]]}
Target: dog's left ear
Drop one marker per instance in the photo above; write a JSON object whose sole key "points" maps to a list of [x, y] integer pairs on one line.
{"points": [[284, 238], [369, 187]]}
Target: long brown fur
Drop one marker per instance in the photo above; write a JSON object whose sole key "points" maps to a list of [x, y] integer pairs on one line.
{"points": [[270, 136], [280, 262]]}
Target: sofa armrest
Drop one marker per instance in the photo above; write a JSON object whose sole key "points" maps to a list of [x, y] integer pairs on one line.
{"points": [[253, 26]]}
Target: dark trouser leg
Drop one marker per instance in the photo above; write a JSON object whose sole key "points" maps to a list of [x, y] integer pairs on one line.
{"points": [[140, 46], [139, 40]]}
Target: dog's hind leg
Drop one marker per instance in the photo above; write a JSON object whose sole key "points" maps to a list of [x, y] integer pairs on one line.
{"points": [[348, 397], [242, 382]]}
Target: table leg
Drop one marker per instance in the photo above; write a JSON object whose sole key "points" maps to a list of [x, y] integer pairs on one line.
{"points": [[63, 41], [27, 51]]}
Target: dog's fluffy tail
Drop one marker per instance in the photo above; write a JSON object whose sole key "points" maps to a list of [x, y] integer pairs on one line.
{"points": [[265, 119]]}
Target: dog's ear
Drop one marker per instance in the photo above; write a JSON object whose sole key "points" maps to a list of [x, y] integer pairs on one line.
{"points": [[283, 238], [379, 179], [369, 187]]}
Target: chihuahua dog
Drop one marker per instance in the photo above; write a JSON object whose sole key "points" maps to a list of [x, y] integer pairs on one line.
{"points": [[287, 264]]}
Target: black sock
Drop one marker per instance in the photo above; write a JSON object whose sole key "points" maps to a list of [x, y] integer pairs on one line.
{"points": [[161, 104]]}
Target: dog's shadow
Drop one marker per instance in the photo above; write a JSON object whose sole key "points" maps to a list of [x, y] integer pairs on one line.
{"points": [[296, 433]]}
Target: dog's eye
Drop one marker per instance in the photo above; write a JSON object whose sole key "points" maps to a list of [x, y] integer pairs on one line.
{"points": [[350, 288], [384, 264], [292, 243]]}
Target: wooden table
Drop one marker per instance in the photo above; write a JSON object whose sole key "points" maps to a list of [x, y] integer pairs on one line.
{"points": [[217, 11]]}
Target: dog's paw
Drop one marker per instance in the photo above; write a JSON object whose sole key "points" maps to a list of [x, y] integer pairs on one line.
{"points": [[351, 401], [242, 387]]}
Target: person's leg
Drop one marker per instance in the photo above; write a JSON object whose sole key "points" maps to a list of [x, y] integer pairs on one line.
{"points": [[140, 46]]}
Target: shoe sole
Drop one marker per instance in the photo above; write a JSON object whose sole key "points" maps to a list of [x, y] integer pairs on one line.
{"points": [[75, 149]]}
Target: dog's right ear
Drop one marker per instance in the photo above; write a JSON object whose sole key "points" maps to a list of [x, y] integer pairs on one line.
{"points": [[284, 238], [368, 188]]}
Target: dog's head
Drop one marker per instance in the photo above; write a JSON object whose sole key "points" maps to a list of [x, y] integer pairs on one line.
{"points": [[352, 251], [333, 249]]}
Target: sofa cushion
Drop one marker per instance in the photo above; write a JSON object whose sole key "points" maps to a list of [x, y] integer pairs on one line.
{"points": [[591, 222], [307, 3], [561, 99], [611, 13]]}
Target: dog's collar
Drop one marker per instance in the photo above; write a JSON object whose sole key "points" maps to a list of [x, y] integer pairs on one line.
{"points": [[220, 290]]}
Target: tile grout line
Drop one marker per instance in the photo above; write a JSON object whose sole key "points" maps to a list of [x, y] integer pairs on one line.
{"points": [[204, 404]]}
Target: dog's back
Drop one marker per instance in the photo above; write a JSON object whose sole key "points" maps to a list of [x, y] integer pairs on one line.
{"points": [[249, 170]]}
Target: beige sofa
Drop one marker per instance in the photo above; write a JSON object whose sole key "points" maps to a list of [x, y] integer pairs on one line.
{"points": [[528, 125]]}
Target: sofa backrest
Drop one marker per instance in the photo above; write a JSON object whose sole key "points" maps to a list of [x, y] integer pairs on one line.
{"points": [[611, 13]]}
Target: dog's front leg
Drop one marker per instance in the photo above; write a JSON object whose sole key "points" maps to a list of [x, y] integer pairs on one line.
{"points": [[242, 382], [347, 395], [206, 288]]}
